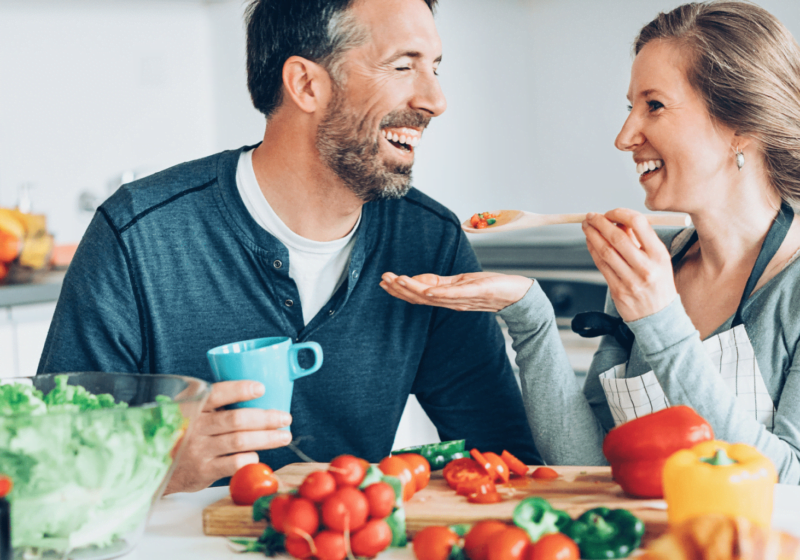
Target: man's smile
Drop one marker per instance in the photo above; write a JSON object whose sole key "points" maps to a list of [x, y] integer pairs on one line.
{"points": [[403, 139]]}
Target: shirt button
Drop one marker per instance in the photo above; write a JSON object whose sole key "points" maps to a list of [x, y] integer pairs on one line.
{"points": [[277, 264], [331, 312], [288, 303], [355, 275]]}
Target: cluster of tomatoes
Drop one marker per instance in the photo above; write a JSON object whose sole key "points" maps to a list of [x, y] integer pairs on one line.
{"points": [[477, 477], [483, 220], [492, 540], [346, 510]]}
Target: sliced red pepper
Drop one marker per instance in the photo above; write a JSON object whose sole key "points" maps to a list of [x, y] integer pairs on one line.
{"points": [[545, 473], [478, 485], [484, 462], [461, 470], [499, 467], [516, 466], [488, 498]]}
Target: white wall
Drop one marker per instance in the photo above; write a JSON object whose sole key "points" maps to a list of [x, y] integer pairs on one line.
{"points": [[89, 89], [536, 92]]}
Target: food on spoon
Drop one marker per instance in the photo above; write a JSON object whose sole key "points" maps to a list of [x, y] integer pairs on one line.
{"points": [[718, 477], [723, 538], [251, 482], [483, 220], [637, 450]]}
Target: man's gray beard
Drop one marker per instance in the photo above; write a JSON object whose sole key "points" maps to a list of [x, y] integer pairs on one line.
{"points": [[346, 148]]}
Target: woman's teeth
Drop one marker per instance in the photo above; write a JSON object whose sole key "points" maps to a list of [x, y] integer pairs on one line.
{"points": [[405, 136], [652, 165]]}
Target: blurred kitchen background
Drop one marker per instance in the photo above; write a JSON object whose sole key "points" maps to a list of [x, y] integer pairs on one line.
{"points": [[95, 93]]}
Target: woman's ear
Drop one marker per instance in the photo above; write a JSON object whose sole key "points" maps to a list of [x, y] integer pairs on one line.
{"points": [[306, 84], [740, 142]]}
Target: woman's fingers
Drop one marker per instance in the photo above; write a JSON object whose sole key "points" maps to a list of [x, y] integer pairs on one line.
{"points": [[644, 232], [606, 255], [620, 241]]}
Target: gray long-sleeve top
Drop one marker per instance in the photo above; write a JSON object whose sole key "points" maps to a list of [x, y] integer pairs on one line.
{"points": [[569, 424]]}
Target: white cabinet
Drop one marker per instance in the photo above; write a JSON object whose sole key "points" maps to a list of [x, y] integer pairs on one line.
{"points": [[23, 330]]}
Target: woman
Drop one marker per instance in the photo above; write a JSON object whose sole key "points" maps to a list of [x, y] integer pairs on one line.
{"points": [[712, 312]]}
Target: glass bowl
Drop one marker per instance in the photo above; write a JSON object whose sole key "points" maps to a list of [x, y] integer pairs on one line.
{"points": [[85, 480]]}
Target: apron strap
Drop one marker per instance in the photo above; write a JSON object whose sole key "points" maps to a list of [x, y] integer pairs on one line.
{"points": [[775, 236]]}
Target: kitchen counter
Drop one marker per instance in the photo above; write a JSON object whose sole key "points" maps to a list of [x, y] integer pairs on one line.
{"points": [[175, 530]]}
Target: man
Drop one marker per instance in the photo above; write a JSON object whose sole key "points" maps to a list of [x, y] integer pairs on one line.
{"points": [[291, 239]]}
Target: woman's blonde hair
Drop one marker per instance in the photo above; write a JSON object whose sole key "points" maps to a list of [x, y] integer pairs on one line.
{"points": [[746, 65]]}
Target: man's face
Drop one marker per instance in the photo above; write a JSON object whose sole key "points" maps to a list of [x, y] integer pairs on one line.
{"points": [[389, 94]]}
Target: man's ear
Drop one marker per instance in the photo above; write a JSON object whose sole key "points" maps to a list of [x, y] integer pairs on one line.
{"points": [[307, 84]]}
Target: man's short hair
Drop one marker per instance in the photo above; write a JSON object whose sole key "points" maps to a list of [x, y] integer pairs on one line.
{"points": [[318, 30]]}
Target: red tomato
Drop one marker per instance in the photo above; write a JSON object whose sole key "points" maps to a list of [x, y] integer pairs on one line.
{"points": [[554, 546], [420, 469], [277, 510], [372, 538], [348, 470], [510, 544], [502, 474], [5, 486], [330, 546], [476, 538], [395, 466], [434, 543], [347, 508], [461, 470], [297, 547], [484, 498], [474, 220], [516, 466], [301, 518], [251, 482], [484, 484], [481, 459], [380, 497], [545, 473], [317, 486]]}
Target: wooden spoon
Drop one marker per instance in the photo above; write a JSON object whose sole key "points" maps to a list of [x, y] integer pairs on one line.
{"points": [[509, 220]]}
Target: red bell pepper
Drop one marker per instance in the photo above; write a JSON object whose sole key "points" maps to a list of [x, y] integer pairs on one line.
{"points": [[637, 450]]}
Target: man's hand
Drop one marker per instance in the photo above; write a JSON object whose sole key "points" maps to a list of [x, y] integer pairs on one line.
{"points": [[223, 441], [473, 291]]}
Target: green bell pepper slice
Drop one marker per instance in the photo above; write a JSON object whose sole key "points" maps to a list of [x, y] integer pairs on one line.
{"points": [[537, 517], [606, 533], [438, 454]]}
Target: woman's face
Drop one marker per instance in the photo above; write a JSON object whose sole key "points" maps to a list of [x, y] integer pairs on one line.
{"points": [[685, 161]]}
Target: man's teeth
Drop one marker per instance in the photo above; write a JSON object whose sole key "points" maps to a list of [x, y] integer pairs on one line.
{"points": [[651, 165], [407, 136]]}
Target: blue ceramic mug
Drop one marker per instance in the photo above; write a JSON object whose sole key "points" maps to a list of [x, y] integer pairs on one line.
{"points": [[270, 361]]}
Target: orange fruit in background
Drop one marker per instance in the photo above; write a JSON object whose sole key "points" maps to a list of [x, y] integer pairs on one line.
{"points": [[395, 466]]}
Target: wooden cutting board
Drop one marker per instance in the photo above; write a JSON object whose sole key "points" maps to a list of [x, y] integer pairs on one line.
{"points": [[575, 491]]}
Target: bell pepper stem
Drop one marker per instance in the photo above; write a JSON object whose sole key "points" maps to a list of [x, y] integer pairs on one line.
{"points": [[720, 459], [602, 528]]}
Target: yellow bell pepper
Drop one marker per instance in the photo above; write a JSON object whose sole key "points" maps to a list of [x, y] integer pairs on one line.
{"points": [[718, 477]]}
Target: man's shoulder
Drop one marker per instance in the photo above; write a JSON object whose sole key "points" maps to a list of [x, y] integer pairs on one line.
{"points": [[159, 190], [422, 209]]}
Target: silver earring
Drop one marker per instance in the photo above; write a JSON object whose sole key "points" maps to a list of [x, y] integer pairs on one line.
{"points": [[739, 158]]}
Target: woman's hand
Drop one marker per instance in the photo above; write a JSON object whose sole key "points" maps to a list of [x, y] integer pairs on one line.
{"points": [[633, 260], [474, 291]]}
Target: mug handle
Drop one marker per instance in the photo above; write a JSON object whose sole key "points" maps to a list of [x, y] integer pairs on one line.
{"points": [[296, 371]]}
